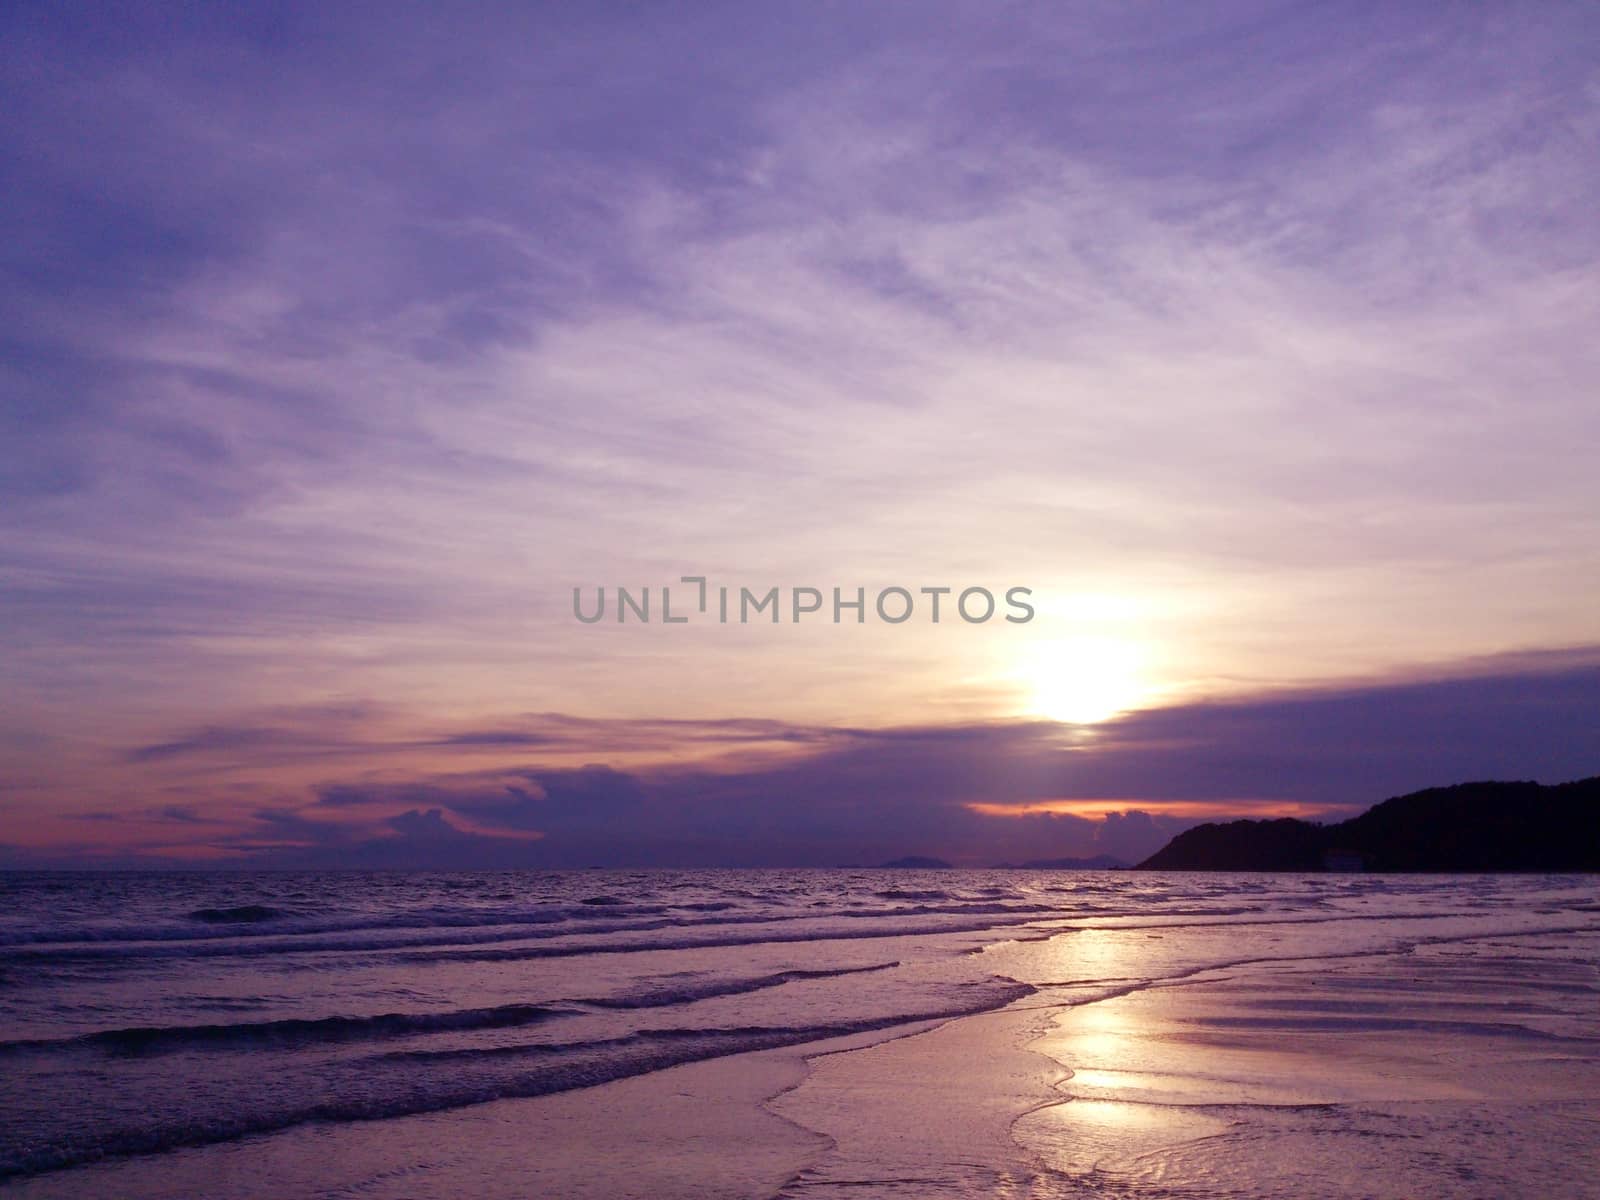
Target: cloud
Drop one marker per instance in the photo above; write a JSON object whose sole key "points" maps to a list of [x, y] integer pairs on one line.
{"points": [[1006, 790], [1134, 835], [411, 839], [212, 738], [977, 793], [320, 731]]}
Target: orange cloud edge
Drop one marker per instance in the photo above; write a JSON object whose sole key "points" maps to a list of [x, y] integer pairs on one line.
{"points": [[1201, 809]]}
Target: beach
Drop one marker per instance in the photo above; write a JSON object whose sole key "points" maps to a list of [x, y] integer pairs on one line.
{"points": [[812, 601], [799, 1033]]}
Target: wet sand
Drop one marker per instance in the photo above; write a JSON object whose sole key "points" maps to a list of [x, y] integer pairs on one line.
{"points": [[1453, 1072], [1463, 1070]]}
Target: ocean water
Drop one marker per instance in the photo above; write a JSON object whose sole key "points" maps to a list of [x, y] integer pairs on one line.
{"points": [[144, 1015]]}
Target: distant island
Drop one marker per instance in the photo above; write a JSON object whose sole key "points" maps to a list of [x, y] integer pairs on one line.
{"points": [[1100, 862], [1471, 827], [916, 862]]}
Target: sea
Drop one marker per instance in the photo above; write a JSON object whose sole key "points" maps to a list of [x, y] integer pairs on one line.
{"points": [[148, 1014]]}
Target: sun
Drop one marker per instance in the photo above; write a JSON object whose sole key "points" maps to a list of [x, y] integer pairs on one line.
{"points": [[1084, 680]]}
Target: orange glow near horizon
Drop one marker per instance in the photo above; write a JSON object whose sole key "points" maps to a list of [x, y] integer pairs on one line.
{"points": [[1202, 809]]}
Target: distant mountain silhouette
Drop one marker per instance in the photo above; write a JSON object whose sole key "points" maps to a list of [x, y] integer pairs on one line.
{"points": [[916, 862], [1468, 827], [1100, 862]]}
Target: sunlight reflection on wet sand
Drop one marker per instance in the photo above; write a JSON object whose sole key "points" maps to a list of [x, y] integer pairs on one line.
{"points": [[1451, 1071]]}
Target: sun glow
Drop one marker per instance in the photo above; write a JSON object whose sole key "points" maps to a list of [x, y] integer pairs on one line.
{"points": [[1085, 680]]}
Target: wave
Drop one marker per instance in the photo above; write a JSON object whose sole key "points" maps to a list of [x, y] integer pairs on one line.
{"points": [[293, 1030], [765, 938], [301, 1031], [689, 993], [202, 924], [235, 924], [405, 1083], [377, 938], [240, 915]]}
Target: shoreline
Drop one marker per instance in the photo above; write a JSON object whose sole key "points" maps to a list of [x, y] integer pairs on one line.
{"points": [[933, 1109], [1219, 1054], [518, 1147]]}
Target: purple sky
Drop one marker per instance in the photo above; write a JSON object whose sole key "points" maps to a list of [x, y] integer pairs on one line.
{"points": [[341, 342]]}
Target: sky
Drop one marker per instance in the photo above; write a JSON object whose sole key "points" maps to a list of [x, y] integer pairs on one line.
{"points": [[339, 344]]}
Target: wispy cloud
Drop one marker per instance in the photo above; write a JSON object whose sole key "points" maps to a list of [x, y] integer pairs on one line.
{"points": [[330, 368]]}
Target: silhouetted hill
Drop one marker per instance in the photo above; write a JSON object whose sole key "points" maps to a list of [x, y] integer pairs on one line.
{"points": [[1281, 845], [917, 862], [1468, 827]]}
